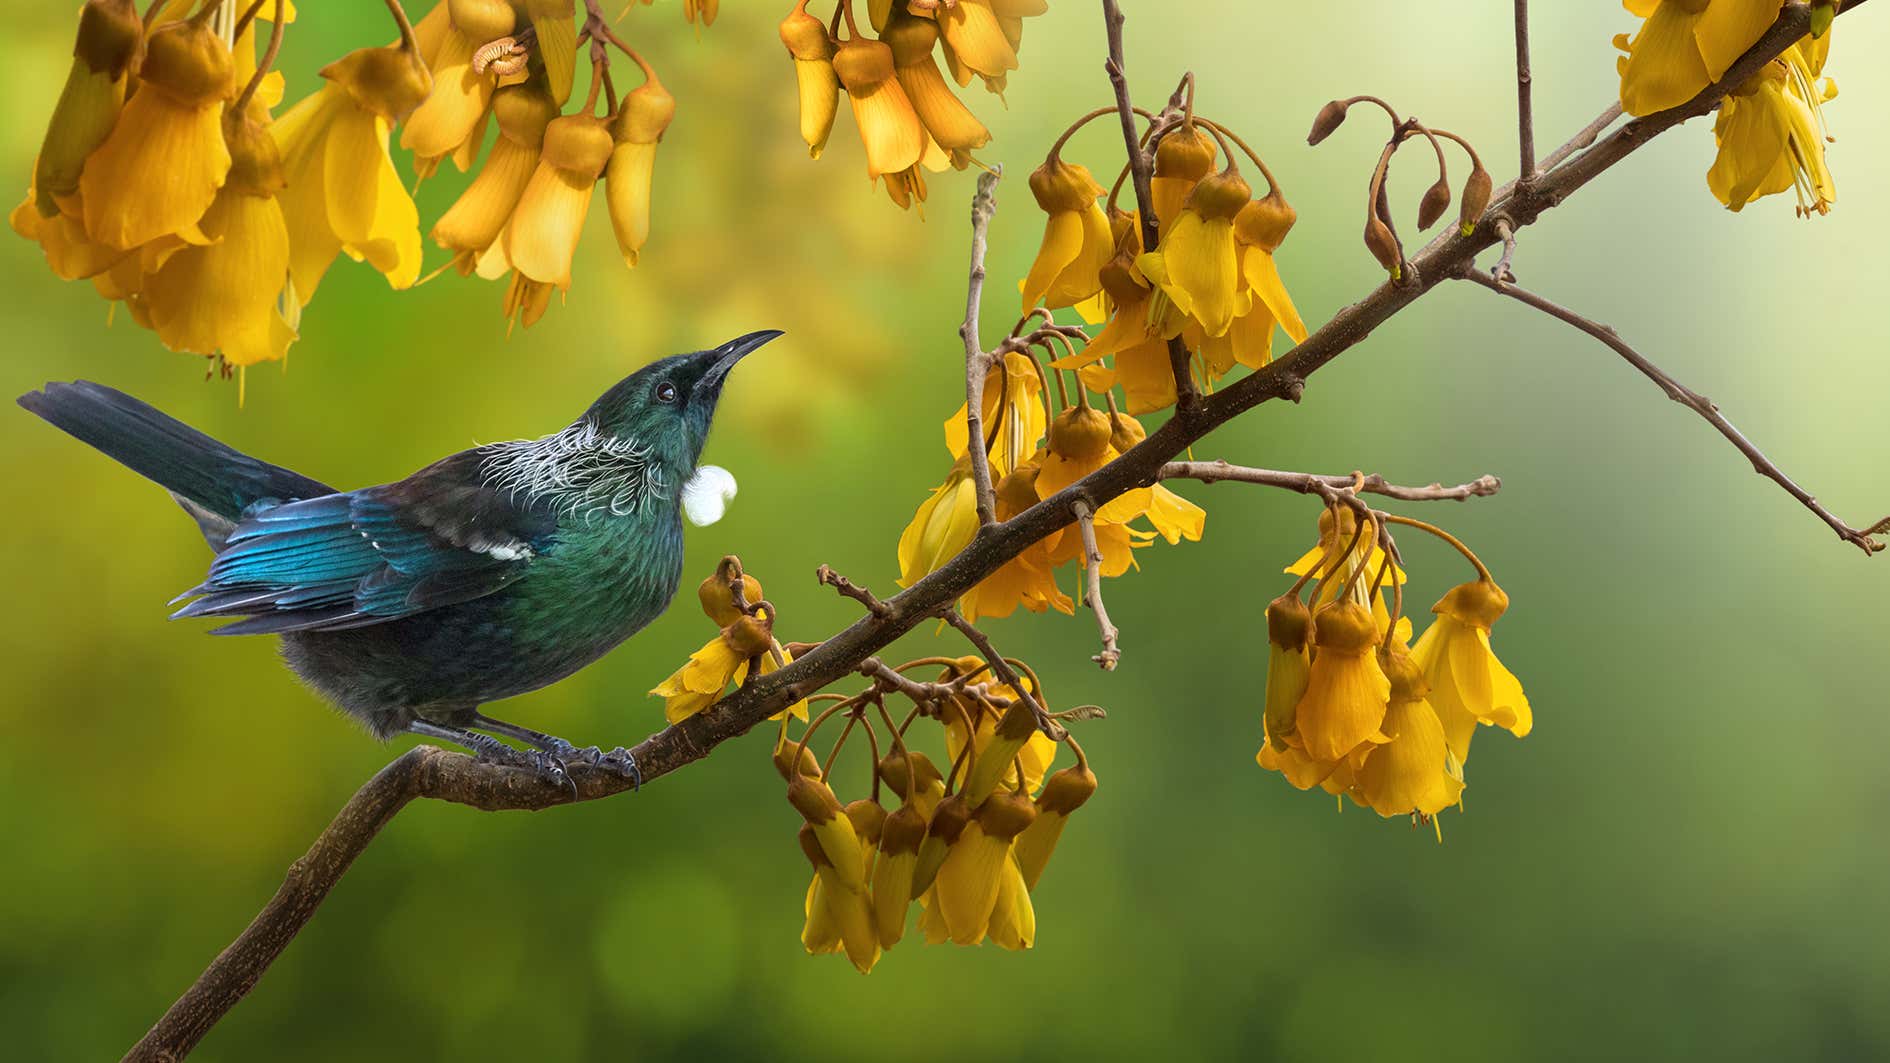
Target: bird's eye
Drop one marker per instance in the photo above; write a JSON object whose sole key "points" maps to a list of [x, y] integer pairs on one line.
{"points": [[666, 392]]}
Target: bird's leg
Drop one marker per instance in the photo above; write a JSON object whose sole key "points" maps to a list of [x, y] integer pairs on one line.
{"points": [[618, 760], [549, 766]]}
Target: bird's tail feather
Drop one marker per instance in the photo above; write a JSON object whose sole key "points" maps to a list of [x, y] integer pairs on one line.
{"points": [[214, 483]]}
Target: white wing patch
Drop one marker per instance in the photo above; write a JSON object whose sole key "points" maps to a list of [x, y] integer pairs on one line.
{"points": [[706, 495]]}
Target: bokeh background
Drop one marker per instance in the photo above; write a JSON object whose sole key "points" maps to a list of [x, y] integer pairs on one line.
{"points": [[1687, 857]]}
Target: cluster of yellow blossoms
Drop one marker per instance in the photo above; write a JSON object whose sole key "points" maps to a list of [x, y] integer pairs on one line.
{"points": [[969, 844], [1351, 706], [165, 180], [1770, 130], [1033, 456], [1210, 282], [909, 119], [732, 599]]}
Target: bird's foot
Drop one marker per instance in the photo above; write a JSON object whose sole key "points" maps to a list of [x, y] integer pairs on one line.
{"points": [[549, 767], [622, 762], [618, 761]]}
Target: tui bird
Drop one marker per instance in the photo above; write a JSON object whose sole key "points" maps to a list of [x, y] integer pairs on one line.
{"points": [[489, 573]]}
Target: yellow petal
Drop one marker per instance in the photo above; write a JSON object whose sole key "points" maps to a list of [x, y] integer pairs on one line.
{"points": [[1664, 68], [1263, 276], [157, 171]]}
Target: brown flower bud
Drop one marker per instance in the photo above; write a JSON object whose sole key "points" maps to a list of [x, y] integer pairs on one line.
{"points": [[1005, 814], [1383, 246], [1264, 222], [1066, 791], [108, 36], [188, 62], [1080, 434], [1329, 118], [1476, 197], [255, 161], [1436, 200], [1289, 622]]}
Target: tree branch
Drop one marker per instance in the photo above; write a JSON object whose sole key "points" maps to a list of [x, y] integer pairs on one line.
{"points": [[1092, 575], [1525, 115], [1141, 170], [1694, 401], [983, 205], [1310, 484], [432, 773]]}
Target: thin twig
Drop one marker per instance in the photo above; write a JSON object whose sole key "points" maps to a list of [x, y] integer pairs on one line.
{"points": [[1691, 399], [1141, 170], [1111, 655], [1310, 483], [1588, 135], [1003, 670], [983, 205], [1525, 116], [1507, 233], [829, 578]]}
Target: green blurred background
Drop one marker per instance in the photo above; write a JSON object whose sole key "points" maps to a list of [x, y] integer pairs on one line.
{"points": [[1686, 857]]}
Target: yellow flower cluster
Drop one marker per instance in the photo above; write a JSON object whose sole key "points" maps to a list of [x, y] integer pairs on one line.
{"points": [[1033, 456], [165, 181], [910, 120], [732, 599], [1352, 707], [1770, 131], [969, 845], [1210, 283]]}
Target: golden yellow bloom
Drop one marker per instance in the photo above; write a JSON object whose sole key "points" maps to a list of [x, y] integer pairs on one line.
{"points": [[1063, 793], [969, 879], [893, 868], [1029, 579], [1346, 691], [1289, 662], [812, 50], [160, 167], [722, 661], [972, 31], [225, 298], [640, 122], [1259, 229], [912, 776], [718, 600], [1013, 413], [1335, 543], [542, 237], [1138, 351], [343, 194], [109, 32], [1077, 239], [839, 914], [552, 21], [1010, 742], [1079, 445], [453, 114], [1468, 684], [1412, 772], [70, 253], [1770, 134], [1197, 267], [1182, 159], [943, 525], [951, 124], [889, 127], [477, 217], [1686, 45]]}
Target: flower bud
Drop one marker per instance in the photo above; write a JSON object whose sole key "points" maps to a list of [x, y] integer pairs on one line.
{"points": [[1329, 118], [579, 144], [717, 601], [1383, 246], [1221, 195], [1063, 186], [189, 63], [1476, 197], [1264, 222], [639, 123], [818, 85], [748, 636], [1436, 200], [788, 756], [1017, 492], [1080, 434], [389, 81]]}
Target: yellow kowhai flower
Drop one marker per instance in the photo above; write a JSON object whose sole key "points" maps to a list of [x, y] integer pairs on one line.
{"points": [[1013, 923], [1137, 350], [1412, 772], [895, 139], [1013, 413], [1259, 229], [1770, 134], [159, 168], [893, 867], [542, 237], [943, 525], [556, 31], [1003, 747], [476, 218], [109, 34], [724, 660], [71, 254], [1182, 159], [1063, 793], [641, 119], [343, 194], [818, 85], [1335, 543], [976, 38], [839, 914], [1346, 690], [1079, 445], [1197, 267], [225, 298], [1289, 662], [451, 120], [1468, 684], [1077, 239], [968, 882], [947, 120], [1029, 579], [1686, 45]]}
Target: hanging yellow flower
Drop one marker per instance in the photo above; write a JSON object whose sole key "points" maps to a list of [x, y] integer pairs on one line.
{"points": [[818, 85], [224, 298], [1077, 239], [976, 38], [1063, 793], [1412, 772], [641, 119], [477, 217], [1182, 159], [943, 525], [1468, 684], [109, 33], [969, 880], [1771, 137], [1686, 45], [1197, 267], [724, 660], [1346, 691], [945, 117], [343, 194], [451, 119], [1289, 662], [160, 167], [889, 127], [1013, 413], [1029, 579]]}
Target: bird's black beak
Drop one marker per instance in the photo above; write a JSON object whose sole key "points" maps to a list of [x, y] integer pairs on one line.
{"points": [[723, 359]]}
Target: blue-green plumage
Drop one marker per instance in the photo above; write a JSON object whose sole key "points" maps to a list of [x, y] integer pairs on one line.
{"points": [[489, 573]]}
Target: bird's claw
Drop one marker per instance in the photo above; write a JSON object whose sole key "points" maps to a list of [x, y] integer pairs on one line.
{"points": [[548, 766], [623, 763]]}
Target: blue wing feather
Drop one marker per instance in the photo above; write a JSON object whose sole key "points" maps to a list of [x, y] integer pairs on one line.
{"points": [[356, 558]]}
